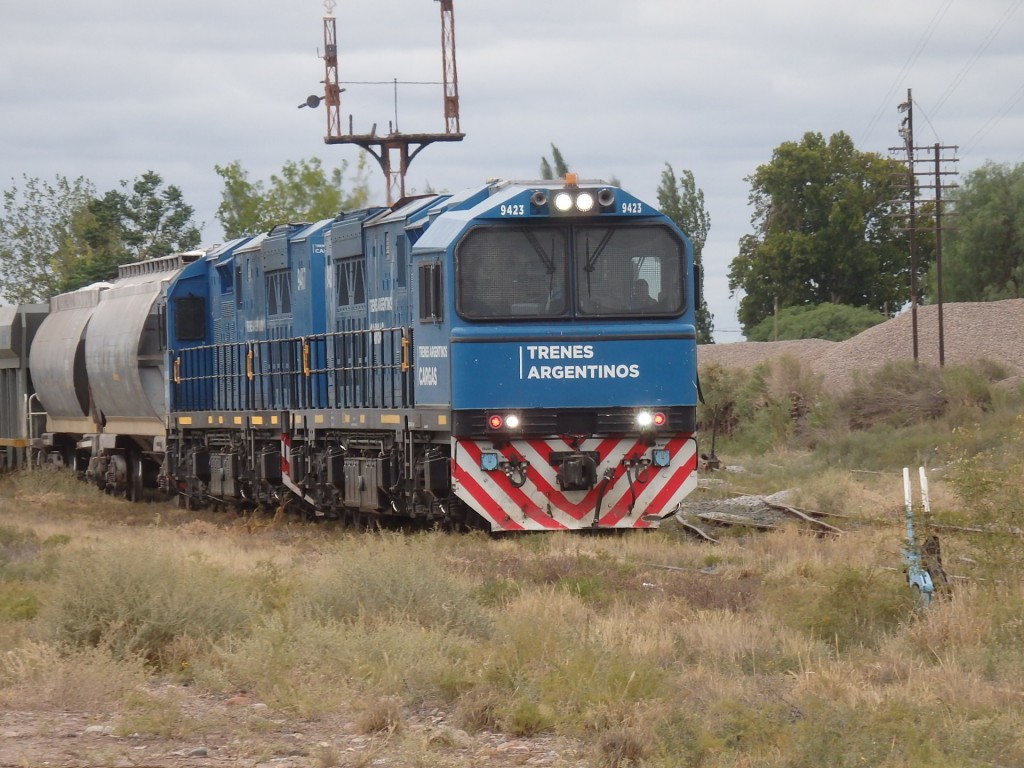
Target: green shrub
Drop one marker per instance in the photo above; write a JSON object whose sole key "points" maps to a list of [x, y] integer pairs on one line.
{"points": [[142, 601], [853, 606], [833, 322], [18, 601], [393, 578], [525, 717], [38, 675]]}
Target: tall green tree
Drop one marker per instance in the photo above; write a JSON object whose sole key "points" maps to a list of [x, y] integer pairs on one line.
{"points": [[983, 253], [57, 237], [556, 168], [155, 219], [682, 201], [302, 191], [39, 241], [826, 230], [144, 219]]}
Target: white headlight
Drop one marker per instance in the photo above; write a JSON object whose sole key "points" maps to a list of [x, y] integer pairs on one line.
{"points": [[584, 201], [563, 201], [511, 421], [644, 419]]}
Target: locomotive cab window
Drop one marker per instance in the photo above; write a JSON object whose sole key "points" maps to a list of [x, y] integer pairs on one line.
{"points": [[519, 273], [506, 273], [634, 271]]}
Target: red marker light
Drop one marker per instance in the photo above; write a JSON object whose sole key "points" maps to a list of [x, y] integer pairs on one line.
{"points": [[659, 419], [495, 422]]}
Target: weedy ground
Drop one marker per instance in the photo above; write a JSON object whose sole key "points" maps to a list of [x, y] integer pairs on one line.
{"points": [[776, 649]]}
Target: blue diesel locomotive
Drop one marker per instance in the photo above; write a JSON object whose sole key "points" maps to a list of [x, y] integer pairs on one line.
{"points": [[519, 356]]}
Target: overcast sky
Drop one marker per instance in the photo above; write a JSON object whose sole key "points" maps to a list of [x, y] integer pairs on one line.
{"points": [[112, 88]]}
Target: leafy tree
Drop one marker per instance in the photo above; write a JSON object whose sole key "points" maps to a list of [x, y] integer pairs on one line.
{"points": [[834, 322], [60, 236], [825, 231], [983, 256], [38, 235], [683, 202], [142, 220], [556, 169], [303, 191], [155, 221]]}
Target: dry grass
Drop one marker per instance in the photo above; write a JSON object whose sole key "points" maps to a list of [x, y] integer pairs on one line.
{"points": [[777, 650]]}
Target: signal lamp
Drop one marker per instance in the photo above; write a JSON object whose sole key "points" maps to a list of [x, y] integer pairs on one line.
{"points": [[658, 419], [495, 422]]}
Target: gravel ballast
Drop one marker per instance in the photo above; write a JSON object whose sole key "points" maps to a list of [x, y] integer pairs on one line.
{"points": [[972, 332]]}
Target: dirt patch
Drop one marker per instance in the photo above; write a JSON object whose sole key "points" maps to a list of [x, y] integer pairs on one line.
{"points": [[238, 731]]}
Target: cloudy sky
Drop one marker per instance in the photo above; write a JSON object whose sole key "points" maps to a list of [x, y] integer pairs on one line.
{"points": [[112, 88]]}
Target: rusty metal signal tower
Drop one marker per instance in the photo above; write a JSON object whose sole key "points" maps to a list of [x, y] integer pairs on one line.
{"points": [[394, 151]]}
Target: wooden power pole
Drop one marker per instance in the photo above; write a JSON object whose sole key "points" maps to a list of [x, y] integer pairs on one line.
{"points": [[927, 169]]}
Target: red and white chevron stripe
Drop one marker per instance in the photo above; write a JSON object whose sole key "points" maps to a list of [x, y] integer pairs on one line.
{"points": [[539, 505], [286, 469]]}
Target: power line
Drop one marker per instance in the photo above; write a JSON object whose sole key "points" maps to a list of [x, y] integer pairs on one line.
{"points": [[982, 132], [976, 55], [911, 59]]}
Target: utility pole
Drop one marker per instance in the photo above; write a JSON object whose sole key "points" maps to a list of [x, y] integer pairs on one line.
{"points": [[940, 158]]}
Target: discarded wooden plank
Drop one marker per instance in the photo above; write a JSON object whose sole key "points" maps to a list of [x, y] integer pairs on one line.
{"points": [[695, 531], [805, 517], [722, 519]]}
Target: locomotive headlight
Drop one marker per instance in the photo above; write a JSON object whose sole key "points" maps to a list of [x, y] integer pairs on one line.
{"points": [[563, 202], [646, 419], [584, 202], [497, 421]]}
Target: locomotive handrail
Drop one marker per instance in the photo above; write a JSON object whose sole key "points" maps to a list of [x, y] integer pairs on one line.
{"points": [[364, 367], [29, 413]]}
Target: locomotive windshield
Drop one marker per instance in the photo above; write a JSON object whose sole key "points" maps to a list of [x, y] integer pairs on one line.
{"points": [[613, 271]]}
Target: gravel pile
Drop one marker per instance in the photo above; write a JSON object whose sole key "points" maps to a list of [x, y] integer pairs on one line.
{"points": [[972, 332]]}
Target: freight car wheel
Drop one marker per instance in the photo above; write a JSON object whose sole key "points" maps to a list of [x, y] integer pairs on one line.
{"points": [[133, 483]]}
